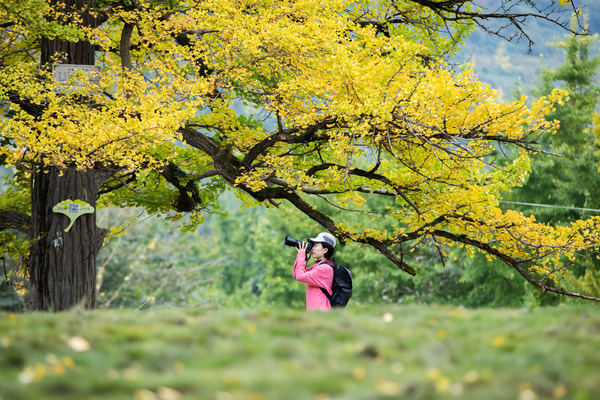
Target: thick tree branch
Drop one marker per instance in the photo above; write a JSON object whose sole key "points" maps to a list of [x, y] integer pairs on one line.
{"points": [[189, 196], [33, 109], [124, 46], [16, 220], [514, 263], [286, 136]]}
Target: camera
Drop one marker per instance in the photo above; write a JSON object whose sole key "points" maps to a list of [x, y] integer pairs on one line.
{"points": [[290, 241]]}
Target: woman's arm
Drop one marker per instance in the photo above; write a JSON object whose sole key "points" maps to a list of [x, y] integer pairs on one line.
{"points": [[300, 263]]}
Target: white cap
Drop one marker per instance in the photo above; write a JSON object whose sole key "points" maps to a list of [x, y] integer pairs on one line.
{"points": [[324, 237]]}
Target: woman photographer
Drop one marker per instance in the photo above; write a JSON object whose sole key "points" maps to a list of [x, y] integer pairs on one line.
{"points": [[320, 274]]}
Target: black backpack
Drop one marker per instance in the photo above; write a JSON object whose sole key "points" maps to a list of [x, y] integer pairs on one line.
{"points": [[342, 285]]}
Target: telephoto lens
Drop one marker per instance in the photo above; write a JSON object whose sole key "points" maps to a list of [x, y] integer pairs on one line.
{"points": [[290, 241]]}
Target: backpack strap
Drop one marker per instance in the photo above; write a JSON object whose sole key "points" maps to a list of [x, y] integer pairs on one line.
{"points": [[329, 297]]}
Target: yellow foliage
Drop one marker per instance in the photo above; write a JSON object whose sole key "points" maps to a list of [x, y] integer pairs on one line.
{"points": [[340, 110]]}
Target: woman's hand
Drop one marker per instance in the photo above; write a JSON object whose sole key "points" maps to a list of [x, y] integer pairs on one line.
{"points": [[302, 247]]}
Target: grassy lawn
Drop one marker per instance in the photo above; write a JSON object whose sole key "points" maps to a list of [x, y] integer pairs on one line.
{"points": [[384, 352]]}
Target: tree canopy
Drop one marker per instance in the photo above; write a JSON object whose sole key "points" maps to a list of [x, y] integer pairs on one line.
{"points": [[292, 101]]}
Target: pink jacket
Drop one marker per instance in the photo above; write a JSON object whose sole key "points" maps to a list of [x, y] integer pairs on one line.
{"points": [[316, 276]]}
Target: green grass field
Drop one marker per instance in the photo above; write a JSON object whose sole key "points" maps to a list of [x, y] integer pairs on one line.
{"points": [[385, 352]]}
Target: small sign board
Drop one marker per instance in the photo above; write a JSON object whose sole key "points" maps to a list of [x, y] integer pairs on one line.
{"points": [[62, 73], [73, 209]]}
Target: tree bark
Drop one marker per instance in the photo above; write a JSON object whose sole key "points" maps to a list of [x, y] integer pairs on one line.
{"points": [[63, 264], [56, 51]]}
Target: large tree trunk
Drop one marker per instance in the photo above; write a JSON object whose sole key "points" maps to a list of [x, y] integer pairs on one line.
{"points": [[62, 265], [56, 51]]}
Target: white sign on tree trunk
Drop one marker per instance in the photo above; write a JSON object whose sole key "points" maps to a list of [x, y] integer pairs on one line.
{"points": [[62, 73]]}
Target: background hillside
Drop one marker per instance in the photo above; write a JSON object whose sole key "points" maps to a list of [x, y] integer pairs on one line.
{"points": [[502, 64]]}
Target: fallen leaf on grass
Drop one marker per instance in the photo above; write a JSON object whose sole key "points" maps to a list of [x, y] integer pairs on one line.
{"points": [[498, 341], [397, 368], [178, 366], [165, 393], [455, 389], [442, 385], [388, 388], [559, 391], [527, 395], [78, 344], [144, 394], [359, 373], [471, 377], [434, 373]]}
